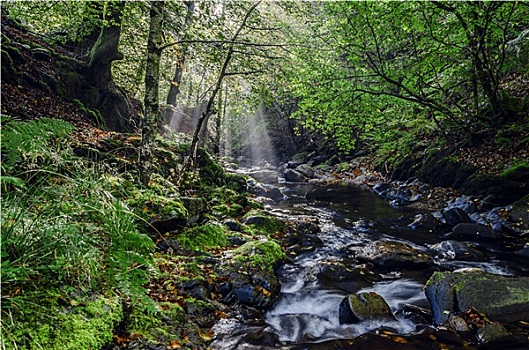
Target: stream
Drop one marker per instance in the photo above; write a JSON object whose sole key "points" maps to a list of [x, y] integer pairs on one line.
{"points": [[315, 282]]}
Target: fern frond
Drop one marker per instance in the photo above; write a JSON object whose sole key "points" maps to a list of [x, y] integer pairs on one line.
{"points": [[30, 137]]}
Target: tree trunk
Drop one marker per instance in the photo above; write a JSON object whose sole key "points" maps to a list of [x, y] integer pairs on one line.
{"points": [[152, 77], [174, 90], [105, 50]]}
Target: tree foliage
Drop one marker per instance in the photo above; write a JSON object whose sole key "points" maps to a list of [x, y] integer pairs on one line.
{"points": [[368, 65]]}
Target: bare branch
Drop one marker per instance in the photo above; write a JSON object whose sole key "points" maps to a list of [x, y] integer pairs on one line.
{"points": [[224, 42], [244, 72]]}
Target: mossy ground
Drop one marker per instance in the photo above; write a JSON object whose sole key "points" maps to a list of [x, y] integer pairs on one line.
{"points": [[64, 323]]}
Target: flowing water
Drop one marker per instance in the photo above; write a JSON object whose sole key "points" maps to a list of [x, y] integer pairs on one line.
{"points": [[307, 312]]}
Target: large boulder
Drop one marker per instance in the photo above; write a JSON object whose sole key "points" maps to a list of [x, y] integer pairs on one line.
{"points": [[394, 254], [292, 175], [501, 298], [266, 176], [356, 308], [268, 191], [472, 230], [306, 170]]}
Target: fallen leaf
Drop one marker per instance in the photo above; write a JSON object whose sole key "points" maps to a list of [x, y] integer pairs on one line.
{"points": [[206, 336], [175, 344]]}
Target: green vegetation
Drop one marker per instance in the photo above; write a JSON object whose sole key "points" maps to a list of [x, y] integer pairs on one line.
{"points": [[263, 254], [264, 223], [203, 237], [413, 72], [520, 165], [164, 324], [65, 324], [396, 78], [64, 231]]}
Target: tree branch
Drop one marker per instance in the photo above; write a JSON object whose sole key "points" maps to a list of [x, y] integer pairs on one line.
{"points": [[224, 42], [244, 73]]}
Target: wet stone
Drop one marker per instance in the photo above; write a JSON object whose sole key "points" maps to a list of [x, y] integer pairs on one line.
{"points": [[427, 221], [501, 298], [233, 225], [292, 175], [454, 250], [473, 230], [264, 175], [268, 191], [363, 306], [394, 254], [491, 331], [458, 323], [306, 170], [348, 279], [456, 216]]}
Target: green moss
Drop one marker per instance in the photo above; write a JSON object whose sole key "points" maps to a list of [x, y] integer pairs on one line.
{"points": [[155, 327], [234, 210], [236, 182], [263, 254], [516, 296], [344, 166], [253, 204], [520, 165], [88, 325], [436, 278], [202, 237], [150, 205], [260, 221]]}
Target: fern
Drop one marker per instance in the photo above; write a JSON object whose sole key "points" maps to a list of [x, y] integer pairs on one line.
{"points": [[30, 138], [5, 181]]}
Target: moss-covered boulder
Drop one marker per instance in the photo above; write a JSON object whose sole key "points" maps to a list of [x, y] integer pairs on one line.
{"points": [[163, 213], [501, 298], [261, 254], [201, 238], [263, 222], [364, 306]]}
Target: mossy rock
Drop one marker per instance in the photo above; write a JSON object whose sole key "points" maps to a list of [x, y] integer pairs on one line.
{"points": [[228, 211], [157, 328], [364, 306], [152, 206], [236, 182], [501, 298], [263, 254], [263, 222], [203, 237], [518, 171], [76, 325]]}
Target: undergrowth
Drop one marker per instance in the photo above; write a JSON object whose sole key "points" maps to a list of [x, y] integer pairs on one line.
{"points": [[67, 243]]}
